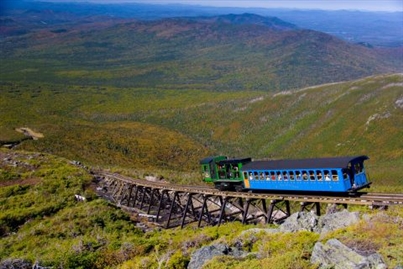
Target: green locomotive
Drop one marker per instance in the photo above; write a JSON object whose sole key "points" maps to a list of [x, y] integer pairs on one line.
{"points": [[223, 172]]}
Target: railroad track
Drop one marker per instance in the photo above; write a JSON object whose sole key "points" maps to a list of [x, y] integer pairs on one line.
{"points": [[178, 205], [384, 198], [364, 198]]}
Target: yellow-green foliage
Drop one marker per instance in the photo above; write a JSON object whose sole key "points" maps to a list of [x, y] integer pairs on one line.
{"points": [[275, 250], [289, 250], [40, 220], [43, 186], [151, 128], [174, 247]]}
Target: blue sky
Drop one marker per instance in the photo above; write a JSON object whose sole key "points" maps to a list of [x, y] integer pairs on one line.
{"points": [[371, 5]]}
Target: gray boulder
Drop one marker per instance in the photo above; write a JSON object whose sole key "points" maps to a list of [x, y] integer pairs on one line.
{"points": [[300, 221], [309, 221], [204, 254], [337, 220], [15, 263], [336, 255]]}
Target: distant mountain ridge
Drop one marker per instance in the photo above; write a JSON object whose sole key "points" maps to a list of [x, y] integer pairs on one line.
{"points": [[375, 28], [248, 19]]}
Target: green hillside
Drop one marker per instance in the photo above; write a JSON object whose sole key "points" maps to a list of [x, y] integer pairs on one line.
{"points": [[154, 129], [41, 223], [155, 97], [223, 53]]}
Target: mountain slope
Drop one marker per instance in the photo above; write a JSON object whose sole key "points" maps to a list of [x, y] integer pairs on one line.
{"points": [[43, 225], [170, 129], [191, 53]]}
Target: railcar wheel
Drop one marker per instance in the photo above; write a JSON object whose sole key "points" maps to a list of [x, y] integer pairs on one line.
{"points": [[221, 186], [238, 188]]}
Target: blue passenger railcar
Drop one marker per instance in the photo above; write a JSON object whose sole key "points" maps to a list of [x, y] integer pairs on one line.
{"points": [[339, 174]]}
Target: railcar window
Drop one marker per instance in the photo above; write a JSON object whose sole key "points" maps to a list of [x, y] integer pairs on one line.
{"points": [[285, 175], [312, 175], [273, 176], [327, 175], [298, 175], [291, 175], [256, 175], [304, 175], [266, 175], [279, 176], [335, 177], [250, 176], [319, 175], [357, 168], [261, 176], [345, 174], [245, 175]]}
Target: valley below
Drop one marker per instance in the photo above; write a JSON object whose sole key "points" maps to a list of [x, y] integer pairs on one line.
{"points": [[147, 93]]}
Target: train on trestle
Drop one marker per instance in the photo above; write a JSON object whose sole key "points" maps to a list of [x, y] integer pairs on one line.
{"points": [[334, 175]]}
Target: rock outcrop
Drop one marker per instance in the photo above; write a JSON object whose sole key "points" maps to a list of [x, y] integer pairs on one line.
{"points": [[15, 263], [336, 255], [204, 254], [332, 254], [338, 220], [301, 221], [309, 221]]}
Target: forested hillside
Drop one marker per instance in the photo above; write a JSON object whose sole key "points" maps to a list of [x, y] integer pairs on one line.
{"points": [[172, 130], [223, 53]]}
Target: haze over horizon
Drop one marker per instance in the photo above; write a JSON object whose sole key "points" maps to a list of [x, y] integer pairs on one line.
{"points": [[363, 5]]}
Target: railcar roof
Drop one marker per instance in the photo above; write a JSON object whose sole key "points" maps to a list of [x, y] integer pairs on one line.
{"points": [[207, 160], [235, 161], [226, 161], [335, 162]]}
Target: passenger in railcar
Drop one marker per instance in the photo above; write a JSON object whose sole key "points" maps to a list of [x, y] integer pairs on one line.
{"points": [[334, 175], [357, 168], [236, 171], [312, 175]]}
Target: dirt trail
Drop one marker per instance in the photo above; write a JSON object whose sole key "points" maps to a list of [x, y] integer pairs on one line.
{"points": [[28, 132]]}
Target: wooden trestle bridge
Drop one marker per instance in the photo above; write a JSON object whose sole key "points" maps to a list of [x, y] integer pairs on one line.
{"points": [[176, 205]]}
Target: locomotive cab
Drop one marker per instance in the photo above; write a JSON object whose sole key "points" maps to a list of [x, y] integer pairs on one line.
{"points": [[225, 173], [209, 168]]}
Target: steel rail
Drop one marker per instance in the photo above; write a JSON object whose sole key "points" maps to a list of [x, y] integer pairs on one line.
{"points": [[365, 198]]}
